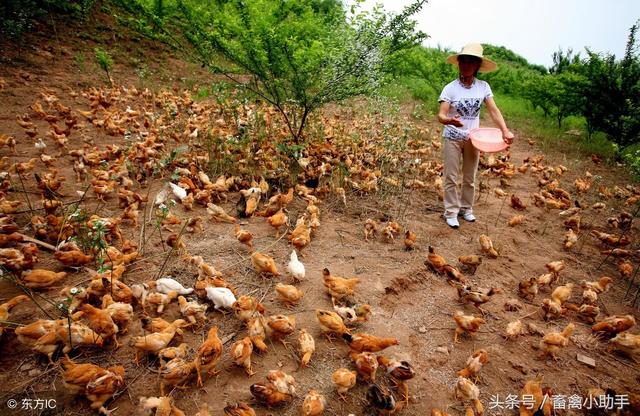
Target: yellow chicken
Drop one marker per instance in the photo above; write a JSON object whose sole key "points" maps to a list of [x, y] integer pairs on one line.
{"points": [[343, 379], [487, 246], [331, 323], [264, 264], [158, 340], [175, 372], [208, 354], [246, 307], [288, 294], [41, 278], [6, 307], [95, 383], [466, 323], [240, 353], [239, 409], [192, 310], [338, 287], [277, 220], [256, 331], [554, 341], [626, 343], [279, 326], [467, 391], [307, 347], [474, 364], [313, 404], [366, 365]]}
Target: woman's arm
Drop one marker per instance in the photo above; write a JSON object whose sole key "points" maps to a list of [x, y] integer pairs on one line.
{"points": [[445, 119], [497, 118]]}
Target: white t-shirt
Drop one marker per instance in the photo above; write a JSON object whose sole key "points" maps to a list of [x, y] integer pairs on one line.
{"points": [[466, 102]]}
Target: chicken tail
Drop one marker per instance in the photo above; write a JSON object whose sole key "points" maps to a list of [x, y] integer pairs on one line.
{"points": [[306, 358], [259, 343], [465, 372]]}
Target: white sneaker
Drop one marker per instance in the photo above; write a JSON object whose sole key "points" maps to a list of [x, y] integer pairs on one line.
{"points": [[468, 216], [452, 222]]}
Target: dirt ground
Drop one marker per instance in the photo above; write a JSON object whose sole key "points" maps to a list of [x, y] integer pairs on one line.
{"points": [[409, 301]]}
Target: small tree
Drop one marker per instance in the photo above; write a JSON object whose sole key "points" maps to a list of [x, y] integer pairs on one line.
{"points": [[299, 54], [105, 62]]}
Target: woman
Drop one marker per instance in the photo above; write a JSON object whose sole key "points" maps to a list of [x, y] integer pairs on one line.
{"points": [[460, 103]]}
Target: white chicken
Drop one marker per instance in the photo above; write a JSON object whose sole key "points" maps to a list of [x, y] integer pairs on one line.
{"points": [[167, 284], [40, 145], [295, 267], [221, 297], [178, 191]]}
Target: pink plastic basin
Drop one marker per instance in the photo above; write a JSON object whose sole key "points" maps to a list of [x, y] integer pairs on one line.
{"points": [[487, 139]]}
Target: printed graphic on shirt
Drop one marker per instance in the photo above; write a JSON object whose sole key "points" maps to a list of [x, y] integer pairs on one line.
{"points": [[468, 107]]}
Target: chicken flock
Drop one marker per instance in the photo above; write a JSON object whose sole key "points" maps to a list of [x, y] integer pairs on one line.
{"points": [[161, 138]]}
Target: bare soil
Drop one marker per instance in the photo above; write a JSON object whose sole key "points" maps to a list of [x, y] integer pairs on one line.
{"points": [[409, 301]]}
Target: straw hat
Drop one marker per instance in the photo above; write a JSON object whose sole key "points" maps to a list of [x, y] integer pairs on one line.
{"points": [[474, 49]]}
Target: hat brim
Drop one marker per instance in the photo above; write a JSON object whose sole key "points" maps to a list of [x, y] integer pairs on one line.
{"points": [[487, 65]]}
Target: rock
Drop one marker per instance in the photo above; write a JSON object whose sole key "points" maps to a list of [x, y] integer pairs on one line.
{"points": [[443, 350], [422, 330]]}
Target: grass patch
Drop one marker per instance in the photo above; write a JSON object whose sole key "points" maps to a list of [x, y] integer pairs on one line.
{"points": [[520, 115]]}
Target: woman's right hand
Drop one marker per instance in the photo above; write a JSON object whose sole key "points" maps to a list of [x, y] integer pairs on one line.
{"points": [[455, 121]]}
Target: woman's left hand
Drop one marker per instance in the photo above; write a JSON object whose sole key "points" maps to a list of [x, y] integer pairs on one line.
{"points": [[508, 137]]}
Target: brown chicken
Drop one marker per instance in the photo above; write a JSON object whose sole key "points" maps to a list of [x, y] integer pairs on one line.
{"points": [[6, 307], [269, 394], [554, 341], [528, 288], [246, 307], [73, 258], [612, 240], [382, 401], [466, 323], [279, 326], [627, 343], [338, 287], [370, 229], [467, 391], [240, 353], [75, 335], [264, 264], [167, 354], [194, 312], [244, 236], [277, 220], [533, 400], [239, 409], [175, 372], [161, 299], [282, 381], [467, 295], [400, 372], [562, 293], [435, 261], [208, 354], [288, 294], [487, 246], [156, 341], [555, 267], [366, 365], [612, 325], [471, 261], [95, 383], [120, 312], [100, 321], [601, 286], [343, 379], [625, 268], [369, 343], [331, 323], [313, 404], [410, 240], [257, 333], [307, 347], [474, 364]]}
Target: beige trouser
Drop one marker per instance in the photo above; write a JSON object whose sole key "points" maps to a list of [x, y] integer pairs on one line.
{"points": [[454, 201]]}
